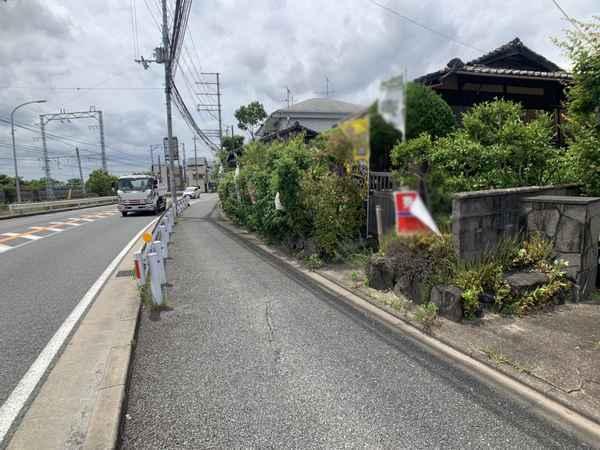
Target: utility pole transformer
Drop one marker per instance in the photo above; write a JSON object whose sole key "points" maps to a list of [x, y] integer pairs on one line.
{"points": [[80, 171]]}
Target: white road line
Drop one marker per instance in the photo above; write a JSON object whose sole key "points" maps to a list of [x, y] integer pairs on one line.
{"points": [[81, 218], [4, 248], [58, 230], [66, 223], [31, 237], [11, 409]]}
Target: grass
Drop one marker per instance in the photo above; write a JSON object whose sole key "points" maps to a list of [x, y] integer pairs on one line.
{"points": [[146, 298], [501, 359], [427, 315]]}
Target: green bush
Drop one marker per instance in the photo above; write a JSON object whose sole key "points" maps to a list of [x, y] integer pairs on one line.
{"points": [[495, 148], [321, 202]]}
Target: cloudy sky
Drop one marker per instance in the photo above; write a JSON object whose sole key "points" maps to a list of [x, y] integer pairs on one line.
{"points": [[80, 53]]}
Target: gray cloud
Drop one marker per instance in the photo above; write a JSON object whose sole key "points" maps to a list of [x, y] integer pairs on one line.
{"points": [[259, 46]]}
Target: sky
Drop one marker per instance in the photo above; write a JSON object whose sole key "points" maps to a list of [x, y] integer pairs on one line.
{"points": [[79, 54]]}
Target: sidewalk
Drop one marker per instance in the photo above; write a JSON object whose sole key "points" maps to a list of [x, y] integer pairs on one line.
{"points": [[248, 356]]}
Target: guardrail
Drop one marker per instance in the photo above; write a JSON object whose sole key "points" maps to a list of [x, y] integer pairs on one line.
{"points": [[24, 208], [150, 260]]}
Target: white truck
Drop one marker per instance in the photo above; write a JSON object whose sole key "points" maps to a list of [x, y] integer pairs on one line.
{"points": [[138, 193]]}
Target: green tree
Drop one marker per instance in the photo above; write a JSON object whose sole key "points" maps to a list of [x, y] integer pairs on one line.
{"points": [[496, 148], [582, 161], [101, 183], [232, 148], [250, 117], [426, 112]]}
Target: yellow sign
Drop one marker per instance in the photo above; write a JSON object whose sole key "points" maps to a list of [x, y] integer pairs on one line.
{"points": [[147, 237], [357, 131]]}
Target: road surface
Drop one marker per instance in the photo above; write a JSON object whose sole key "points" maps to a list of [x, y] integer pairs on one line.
{"points": [[250, 358], [47, 264]]}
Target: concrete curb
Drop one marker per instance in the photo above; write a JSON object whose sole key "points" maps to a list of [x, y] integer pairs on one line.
{"points": [[540, 404], [50, 211]]}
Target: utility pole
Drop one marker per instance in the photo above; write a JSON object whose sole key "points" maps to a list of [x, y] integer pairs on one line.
{"points": [[152, 159], [195, 138], [102, 148], [80, 171], [167, 62], [49, 190], [219, 105], [159, 169], [185, 182]]}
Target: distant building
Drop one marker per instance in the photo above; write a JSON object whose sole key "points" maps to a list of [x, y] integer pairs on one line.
{"points": [[512, 72], [310, 117], [198, 174]]}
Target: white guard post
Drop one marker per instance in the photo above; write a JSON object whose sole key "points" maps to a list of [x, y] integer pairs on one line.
{"points": [[155, 281]]}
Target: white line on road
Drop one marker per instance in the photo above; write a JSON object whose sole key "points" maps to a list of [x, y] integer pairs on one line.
{"points": [[66, 223], [58, 230], [11, 409], [5, 248], [81, 218], [31, 237]]}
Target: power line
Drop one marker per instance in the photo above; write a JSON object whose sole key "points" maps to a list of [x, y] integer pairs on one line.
{"points": [[564, 13], [425, 27]]}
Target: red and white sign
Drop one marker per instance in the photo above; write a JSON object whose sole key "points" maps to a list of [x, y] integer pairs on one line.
{"points": [[412, 215]]}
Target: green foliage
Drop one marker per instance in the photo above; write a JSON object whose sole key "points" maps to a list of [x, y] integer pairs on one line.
{"points": [[496, 148], [427, 314], [314, 262], [250, 117], [101, 183], [427, 112], [533, 252], [320, 202]]}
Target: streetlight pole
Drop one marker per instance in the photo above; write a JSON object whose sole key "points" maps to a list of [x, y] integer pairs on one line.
{"points": [[12, 129]]}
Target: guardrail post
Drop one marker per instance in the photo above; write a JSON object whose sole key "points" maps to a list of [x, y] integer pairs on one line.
{"points": [[158, 248], [164, 234], [140, 270], [155, 280]]}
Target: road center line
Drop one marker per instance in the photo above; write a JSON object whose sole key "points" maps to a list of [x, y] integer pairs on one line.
{"points": [[66, 223], [46, 229], [81, 218], [11, 409]]}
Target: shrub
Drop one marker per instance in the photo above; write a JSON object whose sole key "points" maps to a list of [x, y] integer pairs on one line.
{"points": [[427, 314]]}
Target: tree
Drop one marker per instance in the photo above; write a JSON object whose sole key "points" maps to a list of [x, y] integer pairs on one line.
{"points": [[496, 148], [250, 117], [582, 161], [426, 112], [100, 182]]}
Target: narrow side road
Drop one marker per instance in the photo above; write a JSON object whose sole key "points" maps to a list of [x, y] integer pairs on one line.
{"points": [[249, 358]]}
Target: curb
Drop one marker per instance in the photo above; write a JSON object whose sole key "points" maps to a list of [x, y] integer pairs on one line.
{"points": [[557, 413], [50, 211]]}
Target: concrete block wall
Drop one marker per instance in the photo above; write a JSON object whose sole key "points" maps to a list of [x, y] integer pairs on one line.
{"points": [[481, 219]]}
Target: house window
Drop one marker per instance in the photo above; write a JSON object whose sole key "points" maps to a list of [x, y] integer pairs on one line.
{"points": [[522, 90]]}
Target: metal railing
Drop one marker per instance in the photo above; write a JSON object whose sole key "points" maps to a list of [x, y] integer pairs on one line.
{"points": [[24, 208], [381, 181], [150, 260]]}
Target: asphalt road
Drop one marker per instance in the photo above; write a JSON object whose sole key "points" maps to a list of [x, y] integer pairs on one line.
{"points": [[250, 358], [44, 275]]}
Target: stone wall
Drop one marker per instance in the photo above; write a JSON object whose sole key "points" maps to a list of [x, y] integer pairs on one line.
{"points": [[481, 219], [573, 226]]}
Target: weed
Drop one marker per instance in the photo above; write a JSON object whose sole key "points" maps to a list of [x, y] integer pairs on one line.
{"points": [[534, 251], [500, 359], [314, 262], [427, 314]]}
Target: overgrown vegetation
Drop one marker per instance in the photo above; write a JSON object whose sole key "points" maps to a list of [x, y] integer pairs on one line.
{"points": [[427, 315], [495, 148], [429, 260], [322, 203]]}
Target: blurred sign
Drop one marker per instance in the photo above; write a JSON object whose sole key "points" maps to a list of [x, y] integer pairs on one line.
{"points": [[174, 146], [392, 103], [412, 215], [357, 132]]}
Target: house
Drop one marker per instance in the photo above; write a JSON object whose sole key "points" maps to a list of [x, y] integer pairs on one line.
{"points": [[310, 117], [512, 72], [198, 172]]}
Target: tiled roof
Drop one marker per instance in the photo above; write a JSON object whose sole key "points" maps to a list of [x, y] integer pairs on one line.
{"points": [[559, 75]]}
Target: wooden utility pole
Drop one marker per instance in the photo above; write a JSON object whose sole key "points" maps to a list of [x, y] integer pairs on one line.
{"points": [[195, 138]]}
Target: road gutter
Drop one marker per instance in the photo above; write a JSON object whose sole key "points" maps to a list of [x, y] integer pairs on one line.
{"points": [[80, 401], [563, 417]]}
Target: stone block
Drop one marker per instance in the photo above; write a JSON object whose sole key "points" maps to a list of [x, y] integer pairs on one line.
{"points": [[411, 288], [380, 273], [569, 236], [448, 300], [522, 282], [543, 220]]}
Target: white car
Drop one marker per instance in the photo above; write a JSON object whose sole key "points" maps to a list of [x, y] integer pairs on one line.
{"points": [[192, 192]]}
